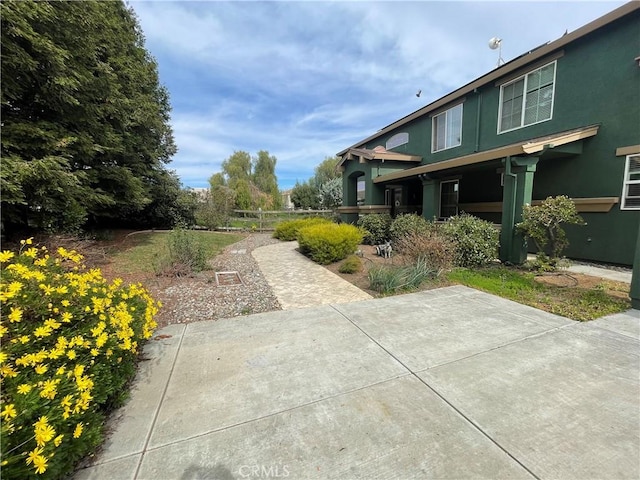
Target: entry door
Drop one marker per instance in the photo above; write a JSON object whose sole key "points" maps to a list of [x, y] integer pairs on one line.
{"points": [[448, 198]]}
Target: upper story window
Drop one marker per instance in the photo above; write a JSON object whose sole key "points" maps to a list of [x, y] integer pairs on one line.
{"points": [[631, 187], [397, 140], [527, 99], [447, 129]]}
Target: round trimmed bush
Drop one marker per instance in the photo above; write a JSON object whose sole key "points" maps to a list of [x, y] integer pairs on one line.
{"points": [[328, 242], [288, 230], [376, 226], [476, 240], [407, 224]]}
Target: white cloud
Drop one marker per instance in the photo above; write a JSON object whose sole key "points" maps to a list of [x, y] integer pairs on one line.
{"points": [[304, 80]]}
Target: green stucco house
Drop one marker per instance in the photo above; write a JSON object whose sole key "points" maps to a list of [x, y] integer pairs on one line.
{"points": [[563, 118]]}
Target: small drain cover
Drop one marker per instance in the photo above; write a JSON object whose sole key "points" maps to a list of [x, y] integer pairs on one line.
{"points": [[226, 279]]}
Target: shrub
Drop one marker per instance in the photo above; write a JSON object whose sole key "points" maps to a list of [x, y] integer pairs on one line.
{"points": [[352, 264], [542, 223], [476, 240], [69, 345], [327, 242], [405, 224], [435, 249], [185, 255], [376, 226], [288, 230], [392, 279]]}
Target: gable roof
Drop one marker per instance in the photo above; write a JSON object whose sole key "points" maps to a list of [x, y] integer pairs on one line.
{"points": [[506, 69], [377, 153]]}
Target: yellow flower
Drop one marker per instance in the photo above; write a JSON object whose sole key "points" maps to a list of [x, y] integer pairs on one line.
{"points": [[40, 464], [31, 252], [71, 354], [36, 452], [9, 412], [42, 422], [40, 369], [41, 262], [28, 241], [58, 440], [44, 434], [66, 317], [78, 430], [65, 303], [6, 256], [24, 339], [3, 330], [44, 331], [15, 315], [3, 357], [24, 388]]}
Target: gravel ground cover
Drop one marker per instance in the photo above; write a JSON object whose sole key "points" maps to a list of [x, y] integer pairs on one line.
{"points": [[191, 299]]}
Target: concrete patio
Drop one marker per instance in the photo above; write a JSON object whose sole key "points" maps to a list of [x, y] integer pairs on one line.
{"points": [[448, 383]]}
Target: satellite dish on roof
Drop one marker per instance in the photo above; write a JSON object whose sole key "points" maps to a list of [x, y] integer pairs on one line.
{"points": [[496, 43]]}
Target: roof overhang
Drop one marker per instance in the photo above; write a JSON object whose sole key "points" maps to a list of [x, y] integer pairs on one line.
{"points": [[527, 147], [506, 69], [363, 155]]}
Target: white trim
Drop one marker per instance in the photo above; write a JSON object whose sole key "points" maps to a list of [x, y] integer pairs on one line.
{"points": [[524, 98], [626, 182], [433, 128], [457, 180]]}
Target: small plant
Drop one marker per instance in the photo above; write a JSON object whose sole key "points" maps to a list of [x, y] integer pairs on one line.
{"points": [[326, 243], [404, 225], [376, 227], [435, 249], [184, 255], [70, 340], [392, 279], [476, 240], [288, 230], [352, 264], [543, 223]]}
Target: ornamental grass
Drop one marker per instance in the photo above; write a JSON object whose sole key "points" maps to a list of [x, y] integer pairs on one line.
{"points": [[69, 342]]}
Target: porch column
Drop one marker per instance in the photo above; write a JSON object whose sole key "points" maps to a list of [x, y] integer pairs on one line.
{"points": [[430, 196], [518, 190], [635, 278]]}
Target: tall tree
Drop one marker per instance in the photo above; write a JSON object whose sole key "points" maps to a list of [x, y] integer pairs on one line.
{"points": [[264, 177], [86, 122], [237, 168], [326, 171]]}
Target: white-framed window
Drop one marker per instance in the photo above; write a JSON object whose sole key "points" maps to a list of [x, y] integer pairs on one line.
{"points": [[447, 129], [449, 198], [631, 186], [527, 99]]}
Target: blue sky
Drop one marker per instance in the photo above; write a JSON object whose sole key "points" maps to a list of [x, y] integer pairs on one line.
{"points": [[304, 80]]}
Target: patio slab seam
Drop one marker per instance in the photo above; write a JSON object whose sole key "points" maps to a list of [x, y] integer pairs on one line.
{"points": [[156, 413], [272, 414], [439, 395], [497, 347]]}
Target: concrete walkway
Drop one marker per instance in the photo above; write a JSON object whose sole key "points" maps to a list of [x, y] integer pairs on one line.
{"points": [[449, 384], [298, 282]]}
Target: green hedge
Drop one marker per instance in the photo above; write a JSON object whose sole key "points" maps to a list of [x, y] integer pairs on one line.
{"points": [[288, 230], [376, 226], [329, 242], [476, 240], [70, 340], [408, 224]]}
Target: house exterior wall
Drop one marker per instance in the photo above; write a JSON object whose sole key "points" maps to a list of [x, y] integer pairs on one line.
{"points": [[597, 81]]}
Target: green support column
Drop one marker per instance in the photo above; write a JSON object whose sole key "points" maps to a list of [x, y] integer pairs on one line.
{"points": [[430, 200], [518, 190], [635, 279]]}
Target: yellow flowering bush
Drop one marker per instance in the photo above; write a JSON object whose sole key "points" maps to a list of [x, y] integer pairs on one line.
{"points": [[69, 341]]}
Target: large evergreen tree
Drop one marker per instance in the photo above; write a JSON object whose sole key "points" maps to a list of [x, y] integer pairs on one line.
{"points": [[86, 132]]}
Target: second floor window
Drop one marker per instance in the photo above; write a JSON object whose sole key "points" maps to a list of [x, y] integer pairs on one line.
{"points": [[447, 129], [527, 99]]}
